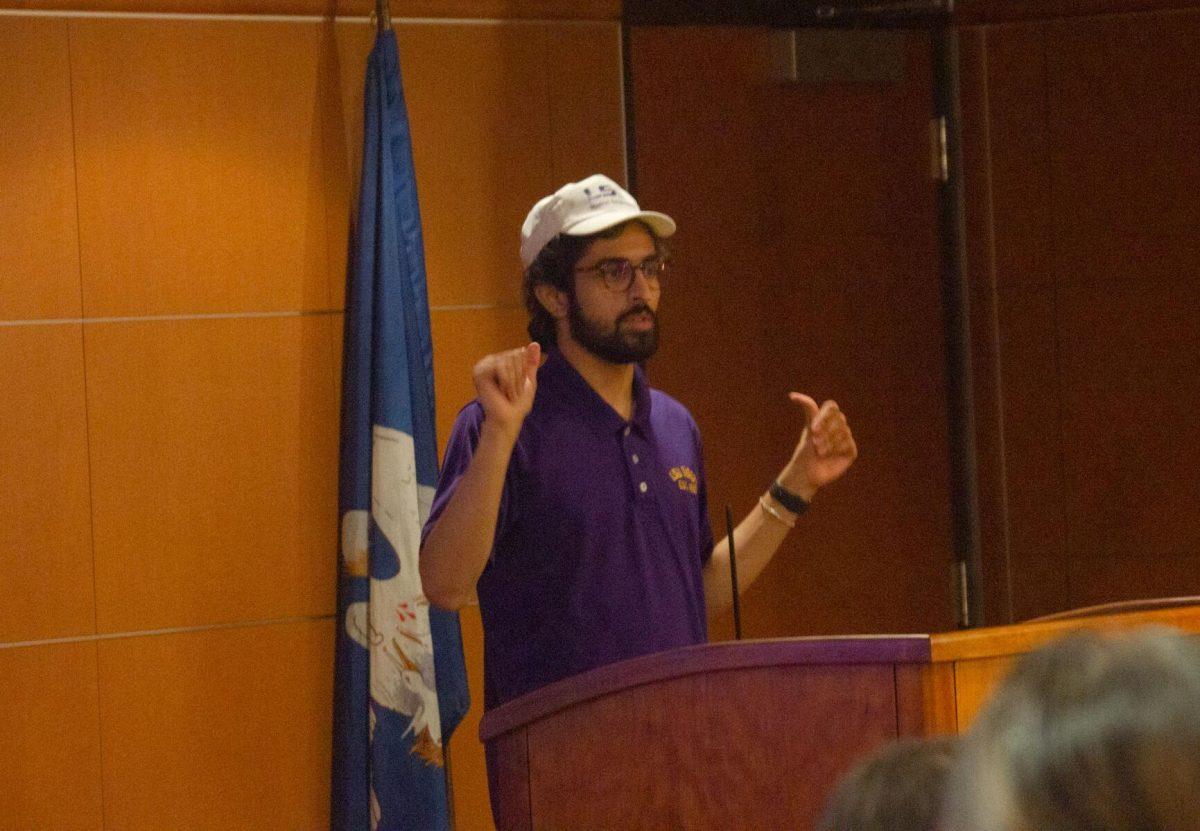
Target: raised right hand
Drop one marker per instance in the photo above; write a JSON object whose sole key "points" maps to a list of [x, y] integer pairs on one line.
{"points": [[505, 383]]}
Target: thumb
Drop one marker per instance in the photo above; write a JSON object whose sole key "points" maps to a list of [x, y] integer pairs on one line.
{"points": [[809, 406], [533, 356]]}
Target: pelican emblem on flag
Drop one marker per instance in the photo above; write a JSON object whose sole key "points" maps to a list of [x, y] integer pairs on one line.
{"points": [[394, 625]]}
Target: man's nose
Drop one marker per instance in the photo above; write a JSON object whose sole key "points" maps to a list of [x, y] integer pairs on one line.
{"points": [[640, 284]]}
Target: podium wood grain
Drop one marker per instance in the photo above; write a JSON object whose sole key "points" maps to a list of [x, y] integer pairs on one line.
{"points": [[751, 734], [724, 735]]}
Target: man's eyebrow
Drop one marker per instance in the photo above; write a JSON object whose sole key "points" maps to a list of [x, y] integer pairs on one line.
{"points": [[639, 260]]}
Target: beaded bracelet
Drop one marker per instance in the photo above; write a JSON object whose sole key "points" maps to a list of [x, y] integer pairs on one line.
{"points": [[770, 511]]}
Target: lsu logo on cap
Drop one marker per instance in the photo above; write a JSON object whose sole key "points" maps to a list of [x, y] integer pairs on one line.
{"points": [[601, 194], [685, 478]]}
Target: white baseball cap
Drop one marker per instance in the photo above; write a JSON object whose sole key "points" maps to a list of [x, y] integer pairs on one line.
{"points": [[582, 208]]}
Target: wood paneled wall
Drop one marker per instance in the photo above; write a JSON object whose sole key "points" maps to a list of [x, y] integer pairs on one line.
{"points": [[592, 10], [807, 260], [1083, 186], [174, 205]]}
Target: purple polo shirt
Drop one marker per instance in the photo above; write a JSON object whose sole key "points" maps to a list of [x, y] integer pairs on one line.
{"points": [[601, 535]]}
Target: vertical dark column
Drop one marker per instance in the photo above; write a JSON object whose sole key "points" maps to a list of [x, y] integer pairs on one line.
{"points": [[955, 294]]}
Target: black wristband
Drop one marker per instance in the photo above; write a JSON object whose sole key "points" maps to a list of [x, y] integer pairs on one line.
{"points": [[794, 502]]}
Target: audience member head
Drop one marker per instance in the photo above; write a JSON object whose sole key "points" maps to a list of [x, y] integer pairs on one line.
{"points": [[900, 788], [1094, 731]]}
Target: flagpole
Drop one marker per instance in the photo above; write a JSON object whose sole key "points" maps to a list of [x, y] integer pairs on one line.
{"points": [[392, 718]]}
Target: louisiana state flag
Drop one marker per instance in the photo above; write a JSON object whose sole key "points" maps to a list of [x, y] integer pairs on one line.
{"points": [[400, 679]]}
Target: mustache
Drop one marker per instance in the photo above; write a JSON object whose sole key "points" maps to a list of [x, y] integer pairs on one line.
{"points": [[639, 309]]}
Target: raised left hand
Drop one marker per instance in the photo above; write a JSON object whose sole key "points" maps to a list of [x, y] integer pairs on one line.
{"points": [[825, 451]]}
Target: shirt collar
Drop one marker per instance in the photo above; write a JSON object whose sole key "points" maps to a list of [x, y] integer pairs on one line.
{"points": [[573, 387]]}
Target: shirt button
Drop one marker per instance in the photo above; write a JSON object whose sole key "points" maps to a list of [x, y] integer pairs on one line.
{"points": [[625, 432], [635, 458], [643, 487]]}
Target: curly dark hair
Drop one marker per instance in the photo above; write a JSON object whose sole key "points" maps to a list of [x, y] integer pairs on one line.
{"points": [[555, 265]]}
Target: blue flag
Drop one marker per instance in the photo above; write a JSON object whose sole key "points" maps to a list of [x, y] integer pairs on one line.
{"points": [[400, 684]]}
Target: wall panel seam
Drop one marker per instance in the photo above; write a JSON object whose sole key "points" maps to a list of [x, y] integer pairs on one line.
{"points": [[1006, 531], [100, 739], [303, 18], [178, 630], [75, 321], [87, 425], [62, 321]]}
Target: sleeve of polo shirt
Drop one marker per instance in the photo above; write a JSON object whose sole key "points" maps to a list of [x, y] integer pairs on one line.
{"points": [[706, 535], [460, 450]]}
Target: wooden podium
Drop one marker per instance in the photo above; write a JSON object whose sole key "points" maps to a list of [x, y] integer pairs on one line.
{"points": [[725, 735], [749, 734]]}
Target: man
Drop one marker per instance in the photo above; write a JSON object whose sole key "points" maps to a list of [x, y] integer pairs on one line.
{"points": [[572, 497]]}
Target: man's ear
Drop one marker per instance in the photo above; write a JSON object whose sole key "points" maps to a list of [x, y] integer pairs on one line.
{"points": [[553, 300]]}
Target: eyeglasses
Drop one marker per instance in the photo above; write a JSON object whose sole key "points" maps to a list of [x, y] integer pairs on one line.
{"points": [[617, 273]]}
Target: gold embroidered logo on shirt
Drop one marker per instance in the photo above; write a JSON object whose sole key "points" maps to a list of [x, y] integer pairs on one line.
{"points": [[684, 478]]}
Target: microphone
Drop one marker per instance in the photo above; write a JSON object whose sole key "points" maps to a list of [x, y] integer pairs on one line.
{"points": [[737, 604]]}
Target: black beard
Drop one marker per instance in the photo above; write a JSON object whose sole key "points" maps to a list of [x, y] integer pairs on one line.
{"points": [[614, 346]]}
